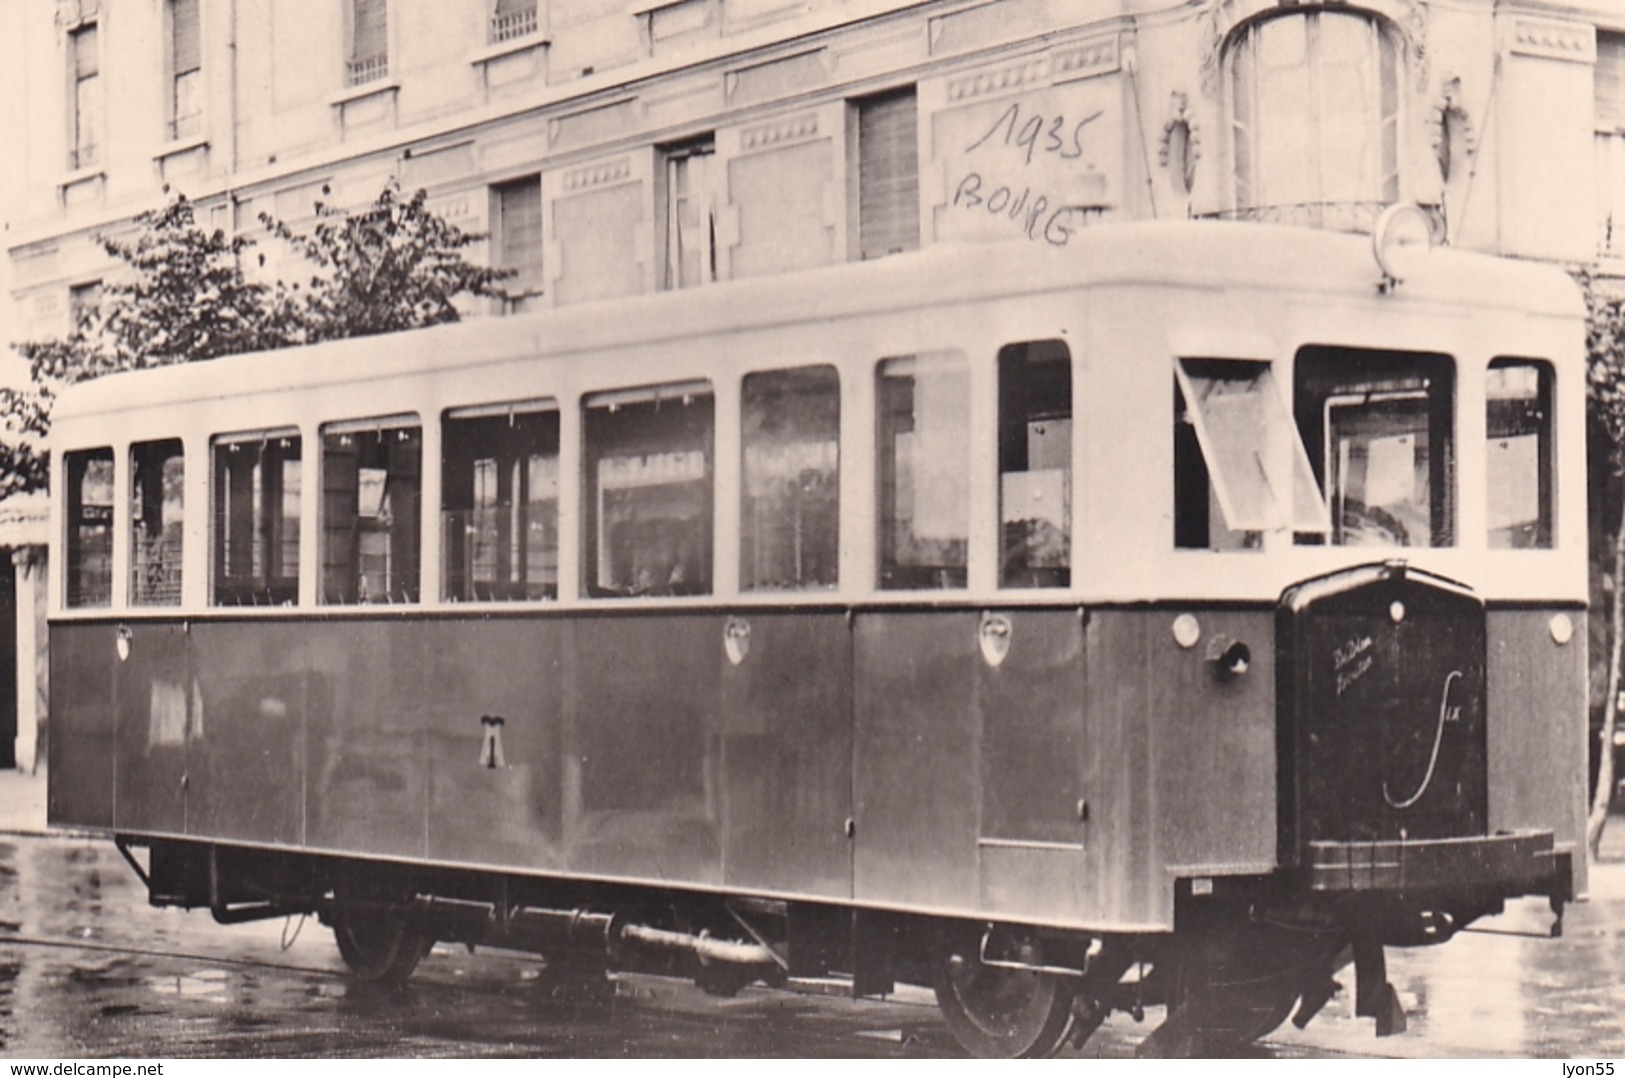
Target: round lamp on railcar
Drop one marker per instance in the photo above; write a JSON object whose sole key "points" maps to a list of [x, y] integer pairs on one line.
{"points": [[1400, 240]]}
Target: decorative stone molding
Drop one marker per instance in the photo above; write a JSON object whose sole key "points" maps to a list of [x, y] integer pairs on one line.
{"points": [[599, 175], [1099, 57], [1181, 144], [1554, 40], [1220, 17], [1030, 72], [794, 129]]}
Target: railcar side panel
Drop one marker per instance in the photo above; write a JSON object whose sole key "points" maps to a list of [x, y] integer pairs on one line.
{"points": [[1537, 727], [916, 758], [643, 738], [1182, 776], [1028, 706], [246, 741], [787, 752], [495, 741], [83, 727], [152, 693], [367, 775]]}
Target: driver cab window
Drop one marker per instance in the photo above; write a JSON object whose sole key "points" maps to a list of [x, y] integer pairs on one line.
{"points": [[1379, 429]]}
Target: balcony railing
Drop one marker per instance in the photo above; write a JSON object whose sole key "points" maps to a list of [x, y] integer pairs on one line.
{"points": [[366, 70], [513, 25]]}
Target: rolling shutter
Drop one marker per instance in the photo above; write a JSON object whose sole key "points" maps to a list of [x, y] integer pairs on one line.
{"points": [[1610, 82], [371, 34], [888, 175], [187, 51]]}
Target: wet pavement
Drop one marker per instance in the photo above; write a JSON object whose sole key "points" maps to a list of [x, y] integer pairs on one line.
{"points": [[88, 969]]}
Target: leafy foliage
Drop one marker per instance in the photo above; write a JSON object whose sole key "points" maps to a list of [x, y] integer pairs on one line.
{"points": [[183, 296], [391, 266]]}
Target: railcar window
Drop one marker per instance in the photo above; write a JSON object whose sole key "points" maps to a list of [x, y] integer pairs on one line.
{"points": [[789, 527], [923, 462], [649, 490], [256, 519], [371, 484], [1379, 426], [500, 503], [1518, 462], [1239, 468], [90, 528], [157, 500], [1035, 465]]}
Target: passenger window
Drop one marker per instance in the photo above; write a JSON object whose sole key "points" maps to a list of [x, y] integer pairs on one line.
{"points": [[157, 498], [923, 462], [1035, 465], [649, 491], [789, 528], [1239, 467], [1518, 463], [371, 483], [90, 528], [500, 503], [1379, 426], [256, 519]]}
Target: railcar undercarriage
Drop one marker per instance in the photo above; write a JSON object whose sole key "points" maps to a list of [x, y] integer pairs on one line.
{"points": [[1242, 959]]}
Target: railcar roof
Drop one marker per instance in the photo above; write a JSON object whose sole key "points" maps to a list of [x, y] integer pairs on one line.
{"points": [[1183, 254]]}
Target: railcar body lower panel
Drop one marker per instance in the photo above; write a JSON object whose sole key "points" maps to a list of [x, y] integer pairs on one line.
{"points": [[1056, 766]]}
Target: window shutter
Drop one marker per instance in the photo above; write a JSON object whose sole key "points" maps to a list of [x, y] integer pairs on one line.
{"points": [[888, 175], [514, 7], [85, 63], [371, 32], [520, 215], [1610, 82], [183, 23]]}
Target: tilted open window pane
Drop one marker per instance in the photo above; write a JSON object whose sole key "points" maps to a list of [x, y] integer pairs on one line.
{"points": [[1518, 459], [1381, 426], [923, 460], [1035, 465], [371, 486], [157, 500], [500, 504], [789, 520], [90, 528], [1251, 460], [649, 491], [256, 519]]}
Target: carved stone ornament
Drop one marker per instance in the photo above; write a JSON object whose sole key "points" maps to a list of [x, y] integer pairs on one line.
{"points": [[1181, 144], [1454, 140]]}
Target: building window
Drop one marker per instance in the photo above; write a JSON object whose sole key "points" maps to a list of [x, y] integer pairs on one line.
{"points": [[1314, 111], [1379, 429], [185, 70], [513, 19], [157, 502], [371, 487], [923, 470], [1035, 465], [888, 174], [84, 302], [789, 519], [84, 69], [692, 187], [649, 490], [500, 503], [256, 519], [1610, 133], [1518, 463], [369, 42], [518, 212], [90, 528]]}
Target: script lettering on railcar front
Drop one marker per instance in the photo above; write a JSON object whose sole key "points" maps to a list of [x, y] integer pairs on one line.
{"points": [[1351, 661]]}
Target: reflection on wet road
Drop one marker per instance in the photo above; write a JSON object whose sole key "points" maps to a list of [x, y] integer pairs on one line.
{"points": [[87, 969]]}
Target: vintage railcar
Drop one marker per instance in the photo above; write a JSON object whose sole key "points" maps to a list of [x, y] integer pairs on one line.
{"points": [[1165, 620]]}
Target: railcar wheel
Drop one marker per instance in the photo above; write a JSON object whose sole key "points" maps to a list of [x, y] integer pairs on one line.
{"points": [[381, 950], [1004, 1013]]}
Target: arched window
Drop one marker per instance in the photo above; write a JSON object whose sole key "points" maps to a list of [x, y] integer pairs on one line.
{"points": [[1314, 113]]}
